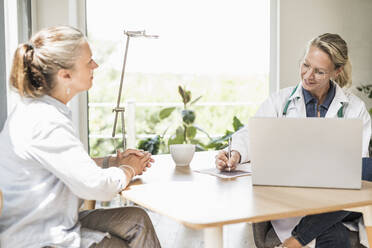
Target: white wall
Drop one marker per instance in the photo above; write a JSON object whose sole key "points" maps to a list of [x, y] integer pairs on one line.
{"points": [[301, 20], [46, 13]]}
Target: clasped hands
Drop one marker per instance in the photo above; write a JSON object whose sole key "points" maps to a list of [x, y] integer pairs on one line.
{"points": [[137, 160]]}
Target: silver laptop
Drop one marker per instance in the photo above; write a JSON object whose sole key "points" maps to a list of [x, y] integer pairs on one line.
{"points": [[306, 152]]}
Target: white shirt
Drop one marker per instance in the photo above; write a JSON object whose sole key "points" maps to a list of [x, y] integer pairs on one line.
{"points": [[44, 172], [274, 106]]}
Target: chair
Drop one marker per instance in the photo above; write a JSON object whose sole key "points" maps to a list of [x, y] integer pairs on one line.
{"points": [[89, 204], [264, 234]]}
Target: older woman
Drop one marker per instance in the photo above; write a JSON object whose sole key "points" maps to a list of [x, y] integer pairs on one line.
{"points": [[324, 71], [44, 169]]}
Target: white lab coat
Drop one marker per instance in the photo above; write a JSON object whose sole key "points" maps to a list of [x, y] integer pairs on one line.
{"points": [[274, 106]]}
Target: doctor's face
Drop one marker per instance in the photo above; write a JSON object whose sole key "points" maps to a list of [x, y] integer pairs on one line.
{"points": [[316, 70]]}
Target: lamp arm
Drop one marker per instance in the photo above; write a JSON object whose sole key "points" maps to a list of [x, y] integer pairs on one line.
{"points": [[117, 109]]}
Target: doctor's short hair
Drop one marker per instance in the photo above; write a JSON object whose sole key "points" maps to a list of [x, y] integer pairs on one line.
{"points": [[37, 62], [336, 48]]}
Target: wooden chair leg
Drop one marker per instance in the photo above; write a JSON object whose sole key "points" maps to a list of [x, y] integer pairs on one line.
{"points": [[89, 204]]}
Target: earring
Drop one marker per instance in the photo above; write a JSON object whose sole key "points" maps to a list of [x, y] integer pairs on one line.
{"points": [[68, 91]]}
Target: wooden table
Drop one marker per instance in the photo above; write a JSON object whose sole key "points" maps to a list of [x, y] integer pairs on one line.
{"points": [[203, 201]]}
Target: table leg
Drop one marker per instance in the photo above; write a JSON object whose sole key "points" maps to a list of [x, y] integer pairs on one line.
{"points": [[213, 237]]}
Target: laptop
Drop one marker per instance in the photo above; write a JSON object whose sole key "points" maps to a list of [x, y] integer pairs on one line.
{"points": [[306, 152]]}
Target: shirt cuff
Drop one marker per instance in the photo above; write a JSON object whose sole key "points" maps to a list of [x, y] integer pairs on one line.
{"points": [[117, 175]]}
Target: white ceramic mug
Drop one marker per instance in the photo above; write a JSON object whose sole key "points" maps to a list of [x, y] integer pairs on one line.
{"points": [[182, 154]]}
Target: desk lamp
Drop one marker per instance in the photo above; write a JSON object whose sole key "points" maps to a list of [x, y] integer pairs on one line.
{"points": [[119, 109]]}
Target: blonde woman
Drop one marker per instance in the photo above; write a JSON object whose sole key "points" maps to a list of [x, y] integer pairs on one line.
{"points": [[44, 170], [324, 71]]}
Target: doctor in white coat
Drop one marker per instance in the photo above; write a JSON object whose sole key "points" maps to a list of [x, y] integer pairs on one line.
{"points": [[325, 71]]}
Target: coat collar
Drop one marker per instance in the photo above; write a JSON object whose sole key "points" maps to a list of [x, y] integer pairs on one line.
{"points": [[61, 107], [340, 95], [340, 99]]}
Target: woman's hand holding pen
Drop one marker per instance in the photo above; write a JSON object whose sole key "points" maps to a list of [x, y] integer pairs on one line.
{"points": [[225, 164]]}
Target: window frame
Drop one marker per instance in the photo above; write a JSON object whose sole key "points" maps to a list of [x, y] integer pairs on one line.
{"points": [[3, 88], [273, 78], [76, 16]]}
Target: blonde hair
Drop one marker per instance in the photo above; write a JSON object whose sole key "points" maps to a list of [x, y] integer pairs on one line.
{"points": [[36, 63], [336, 48]]}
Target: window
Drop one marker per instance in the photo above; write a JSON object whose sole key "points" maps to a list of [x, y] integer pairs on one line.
{"points": [[218, 49], [3, 88]]}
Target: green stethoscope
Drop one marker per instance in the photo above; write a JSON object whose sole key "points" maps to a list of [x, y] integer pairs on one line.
{"points": [[340, 113]]}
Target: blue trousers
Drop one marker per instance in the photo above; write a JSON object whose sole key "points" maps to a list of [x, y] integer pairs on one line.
{"points": [[326, 228]]}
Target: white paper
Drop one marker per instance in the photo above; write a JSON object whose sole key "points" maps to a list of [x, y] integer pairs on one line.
{"points": [[241, 170]]}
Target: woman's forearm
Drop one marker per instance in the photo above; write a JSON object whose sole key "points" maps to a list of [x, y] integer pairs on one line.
{"points": [[111, 162]]}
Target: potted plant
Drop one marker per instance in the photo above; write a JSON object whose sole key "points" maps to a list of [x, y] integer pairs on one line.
{"points": [[184, 134]]}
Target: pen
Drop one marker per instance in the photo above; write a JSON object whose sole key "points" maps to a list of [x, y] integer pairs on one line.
{"points": [[229, 154]]}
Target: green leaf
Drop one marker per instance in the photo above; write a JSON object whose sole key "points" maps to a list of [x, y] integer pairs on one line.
{"points": [[194, 101], [216, 146], [212, 145], [197, 142], [203, 131], [228, 134], [187, 96], [188, 116], [370, 111], [154, 118], [237, 124], [179, 131], [199, 148], [150, 144], [174, 139], [221, 140], [221, 146], [190, 132], [182, 93], [166, 112]]}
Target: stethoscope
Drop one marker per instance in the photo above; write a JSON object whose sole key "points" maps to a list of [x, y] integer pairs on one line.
{"points": [[340, 113]]}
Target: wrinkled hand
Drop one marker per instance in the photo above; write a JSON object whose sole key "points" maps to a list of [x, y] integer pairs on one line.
{"points": [[121, 155], [222, 163], [139, 160]]}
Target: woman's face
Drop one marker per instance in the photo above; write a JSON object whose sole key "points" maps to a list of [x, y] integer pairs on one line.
{"points": [[316, 71], [82, 74]]}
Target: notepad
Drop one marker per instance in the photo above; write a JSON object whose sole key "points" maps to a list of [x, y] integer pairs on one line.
{"points": [[241, 170]]}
